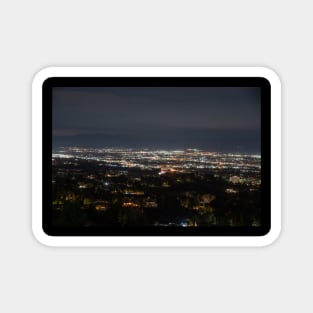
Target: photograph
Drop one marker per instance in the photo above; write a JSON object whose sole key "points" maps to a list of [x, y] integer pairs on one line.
{"points": [[157, 157]]}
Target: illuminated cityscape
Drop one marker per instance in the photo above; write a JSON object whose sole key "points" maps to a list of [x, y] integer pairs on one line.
{"points": [[156, 156], [144, 187]]}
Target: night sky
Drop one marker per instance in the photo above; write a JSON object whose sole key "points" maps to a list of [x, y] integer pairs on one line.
{"points": [[225, 119]]}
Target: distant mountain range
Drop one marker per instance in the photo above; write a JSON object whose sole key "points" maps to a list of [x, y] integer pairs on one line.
{"points": [[223, 141]]}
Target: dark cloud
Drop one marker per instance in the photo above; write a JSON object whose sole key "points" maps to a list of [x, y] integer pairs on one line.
{"points": [[203, 117]]}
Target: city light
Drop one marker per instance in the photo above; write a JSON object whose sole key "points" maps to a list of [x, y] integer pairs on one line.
{"points": [[161, 188]]}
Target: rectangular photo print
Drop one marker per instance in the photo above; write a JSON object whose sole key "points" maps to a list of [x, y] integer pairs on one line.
{"points": [[156, 156]]}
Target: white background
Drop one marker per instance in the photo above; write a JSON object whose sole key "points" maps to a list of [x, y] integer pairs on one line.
{"points": [[37, 34]]}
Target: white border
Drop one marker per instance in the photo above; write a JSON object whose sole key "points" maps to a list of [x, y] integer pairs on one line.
{"points": [[159, 241]]}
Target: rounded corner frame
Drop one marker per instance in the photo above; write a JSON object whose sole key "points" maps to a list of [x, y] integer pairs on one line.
{"points": [[144, 241]]}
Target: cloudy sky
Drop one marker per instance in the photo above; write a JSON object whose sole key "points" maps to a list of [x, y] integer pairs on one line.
{"points": [[210, 118]]}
